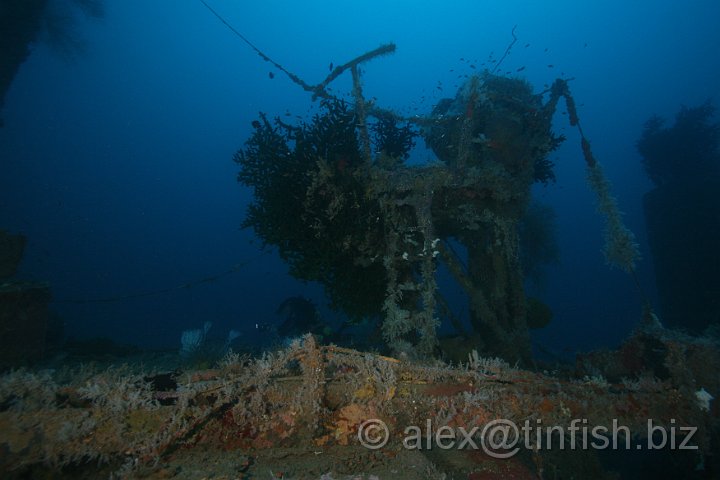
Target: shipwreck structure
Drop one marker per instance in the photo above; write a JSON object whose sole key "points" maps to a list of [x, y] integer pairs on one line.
{"points": [[302, 413], [24, 308], [682, 215], [337, 199]]}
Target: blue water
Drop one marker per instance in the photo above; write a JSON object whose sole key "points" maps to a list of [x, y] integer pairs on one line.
{"points": [[116, 163]]}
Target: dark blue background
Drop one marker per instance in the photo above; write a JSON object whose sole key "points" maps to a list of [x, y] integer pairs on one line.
{"points": [[117, 164]]}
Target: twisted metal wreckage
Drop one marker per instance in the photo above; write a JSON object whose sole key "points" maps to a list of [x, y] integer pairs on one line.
{"points": [[492, 140]]}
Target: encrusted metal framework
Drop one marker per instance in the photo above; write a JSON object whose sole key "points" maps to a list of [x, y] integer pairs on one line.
{"points": [[317, 397]]}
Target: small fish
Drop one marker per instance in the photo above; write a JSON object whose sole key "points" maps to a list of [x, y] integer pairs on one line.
{"points": [[472, 66], [527, 45], [331, 66], [546, 49], [271, 75], [264, 327], [520, 69], [551, 65]]}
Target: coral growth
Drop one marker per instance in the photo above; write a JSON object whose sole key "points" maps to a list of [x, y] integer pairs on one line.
{"points": [[308, 396], [312, 206], [392, 141], [620, 249]]}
